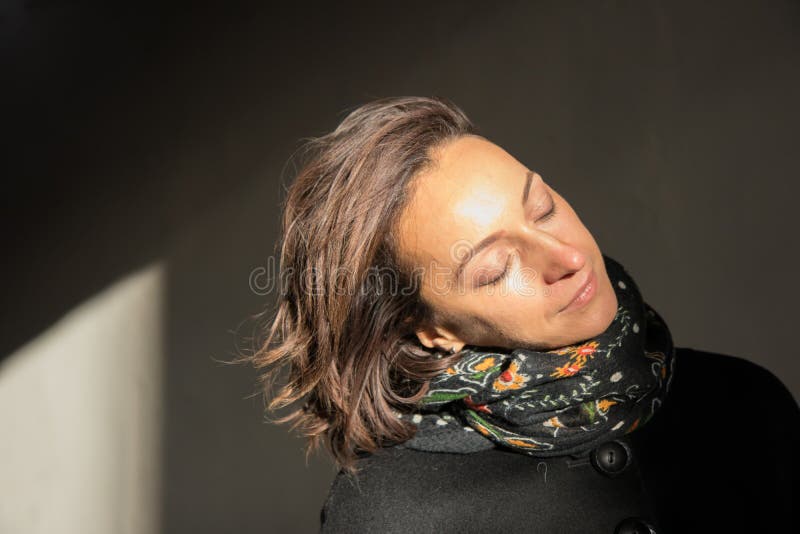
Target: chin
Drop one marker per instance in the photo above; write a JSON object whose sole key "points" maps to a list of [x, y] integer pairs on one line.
{"points": [[606, 302], [598, 314]]}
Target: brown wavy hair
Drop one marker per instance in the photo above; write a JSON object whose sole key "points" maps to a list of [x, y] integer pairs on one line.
{"points": [[343, 329]]}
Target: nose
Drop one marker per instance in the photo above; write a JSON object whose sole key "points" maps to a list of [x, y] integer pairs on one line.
{"points": [[552, 257]]}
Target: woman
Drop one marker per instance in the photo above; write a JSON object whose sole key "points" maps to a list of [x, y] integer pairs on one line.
{"points": [[474, 363]]}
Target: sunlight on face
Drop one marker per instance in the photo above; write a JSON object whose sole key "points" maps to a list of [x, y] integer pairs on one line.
{"points": [[502, 253], [482, 207]]}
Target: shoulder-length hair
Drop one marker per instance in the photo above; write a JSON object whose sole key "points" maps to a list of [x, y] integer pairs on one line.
{"points": [[344, 323]]}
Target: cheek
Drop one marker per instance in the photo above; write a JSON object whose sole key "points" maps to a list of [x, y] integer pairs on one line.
{"points": [[517, 310], [522, 284]]}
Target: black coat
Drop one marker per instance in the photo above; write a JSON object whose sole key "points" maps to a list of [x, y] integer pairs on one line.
{"points": [[720, 456]]}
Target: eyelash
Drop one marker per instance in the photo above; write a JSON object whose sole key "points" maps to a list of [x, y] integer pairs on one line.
{"points": [[503, 275], [550, 214], [546, 217]]}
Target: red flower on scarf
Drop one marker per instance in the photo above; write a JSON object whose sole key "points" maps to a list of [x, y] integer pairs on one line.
{"points": [[567, 369], [477, 407]]}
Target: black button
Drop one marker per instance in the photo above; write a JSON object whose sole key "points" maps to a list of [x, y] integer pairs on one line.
{"points": [[612, 457], [634, 525]]}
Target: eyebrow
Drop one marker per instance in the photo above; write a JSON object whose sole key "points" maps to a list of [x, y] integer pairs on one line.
{"points": [[494, 236]]}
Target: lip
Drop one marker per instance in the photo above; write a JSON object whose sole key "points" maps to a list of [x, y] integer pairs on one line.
{"points": [[591, 283]]}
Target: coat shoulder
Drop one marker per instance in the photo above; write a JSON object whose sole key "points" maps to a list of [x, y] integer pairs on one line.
{"points": [[387, 487], [732, 428], [727, 377], [389, 493], [403, 490]]}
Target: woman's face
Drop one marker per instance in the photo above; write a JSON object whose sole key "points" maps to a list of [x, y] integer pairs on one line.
{"points": [[518, 289]]}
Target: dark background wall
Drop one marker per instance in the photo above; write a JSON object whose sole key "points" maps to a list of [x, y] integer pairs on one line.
{"points": [[160, 130]]}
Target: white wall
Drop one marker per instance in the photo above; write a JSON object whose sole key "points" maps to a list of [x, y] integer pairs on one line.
{"points": [[80, 418]]}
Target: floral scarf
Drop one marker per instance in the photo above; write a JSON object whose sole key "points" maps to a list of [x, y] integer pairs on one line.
{"points": [[562, 401]]}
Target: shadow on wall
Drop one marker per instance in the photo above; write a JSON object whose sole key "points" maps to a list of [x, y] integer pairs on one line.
{"points": [[81, 408]]}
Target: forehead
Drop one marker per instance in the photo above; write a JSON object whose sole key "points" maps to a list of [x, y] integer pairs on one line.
{"points": [[455, 202]]}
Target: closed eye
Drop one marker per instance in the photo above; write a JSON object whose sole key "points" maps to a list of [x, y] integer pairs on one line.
{"points": [[502, 275], [546, 217], [550, 214]]}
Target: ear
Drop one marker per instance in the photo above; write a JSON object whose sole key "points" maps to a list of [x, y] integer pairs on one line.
{"points": [[438, 337]]}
